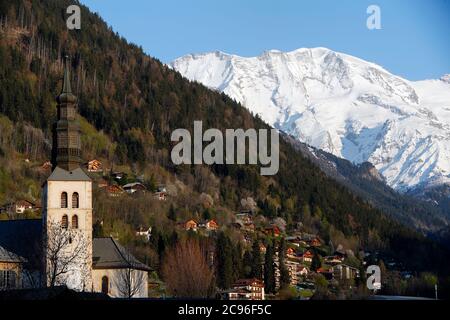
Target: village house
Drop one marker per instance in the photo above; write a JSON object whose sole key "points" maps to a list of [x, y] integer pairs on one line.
{"points": [[144, 233], [33, 247], [238, 294], [302, 243], [160, 195], [273, 231], [307, 256], [113, 190], [19, 207], [244, 217], [262, 248], [340, 254], [47, 165], [302, 271], [333, 260], [211, 225], [119, 175], [190, 225], [344, 272], [296, 241], [254, 286], [94, 166], [315, 242], [290, 253], [249, 227], [134, 187]]}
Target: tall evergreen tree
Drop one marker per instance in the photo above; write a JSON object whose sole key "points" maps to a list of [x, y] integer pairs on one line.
{"points": [[172, 215], [316, 262], [206, 214], [269, 270], [224, 255], [173, 238], [154, 238], [284, 272], [247, 267], [237, 261], [256, 271], [162, 243]]}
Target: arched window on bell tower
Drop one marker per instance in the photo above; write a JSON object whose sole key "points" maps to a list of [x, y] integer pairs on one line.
{"points": [[65, 222], [75, 200], [64, 200], [75, 222]]}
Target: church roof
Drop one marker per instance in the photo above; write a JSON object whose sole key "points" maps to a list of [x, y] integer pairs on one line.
{"points": [[108, 254], [23, 238], [60, 174], [8, 256]]}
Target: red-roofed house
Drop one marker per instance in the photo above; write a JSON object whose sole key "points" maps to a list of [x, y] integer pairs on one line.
{"points": [[273, 230], [315, 242], [191, 225], [290, 252], [307, 256], [94, 166], [113, 190], [211, 225]]}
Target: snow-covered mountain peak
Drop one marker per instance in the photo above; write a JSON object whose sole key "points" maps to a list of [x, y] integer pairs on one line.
{"points": [[342, 104]]}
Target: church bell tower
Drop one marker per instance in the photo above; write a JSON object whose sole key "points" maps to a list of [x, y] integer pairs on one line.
{"points": [[67, 202]]}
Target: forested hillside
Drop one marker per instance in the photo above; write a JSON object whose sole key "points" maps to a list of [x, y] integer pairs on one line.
{"points": [[129, 104]]}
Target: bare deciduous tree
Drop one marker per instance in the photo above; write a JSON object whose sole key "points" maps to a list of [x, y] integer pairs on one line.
{"points": [[129, 281], [65, 253], [186, 271]]}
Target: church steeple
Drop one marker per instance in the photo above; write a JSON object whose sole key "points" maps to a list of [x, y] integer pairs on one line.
{"points": [[66, 137], [66, 83]]}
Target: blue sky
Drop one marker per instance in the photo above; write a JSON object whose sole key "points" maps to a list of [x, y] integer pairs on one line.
{"points": [[414, 41]]}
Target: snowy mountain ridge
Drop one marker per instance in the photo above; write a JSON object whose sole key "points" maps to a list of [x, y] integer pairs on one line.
{"points": [[341, 104]]}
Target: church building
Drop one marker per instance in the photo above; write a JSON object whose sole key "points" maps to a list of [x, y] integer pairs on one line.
{"points": [[58, 249]]}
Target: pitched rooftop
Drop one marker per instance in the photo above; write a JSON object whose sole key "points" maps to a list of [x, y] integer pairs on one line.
{"points": [[108, 254], [63, 175]]}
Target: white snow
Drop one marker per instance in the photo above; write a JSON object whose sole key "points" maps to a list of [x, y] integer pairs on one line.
{"points": [[341, 104]]}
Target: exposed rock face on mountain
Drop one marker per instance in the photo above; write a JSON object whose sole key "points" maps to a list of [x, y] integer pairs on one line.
{"points": [[343, 105]]}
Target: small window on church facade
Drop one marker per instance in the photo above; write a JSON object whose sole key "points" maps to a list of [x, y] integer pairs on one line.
{"points": [[105, 285], [75, 222], [75, 200], [64, 200], [64, 221]]}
